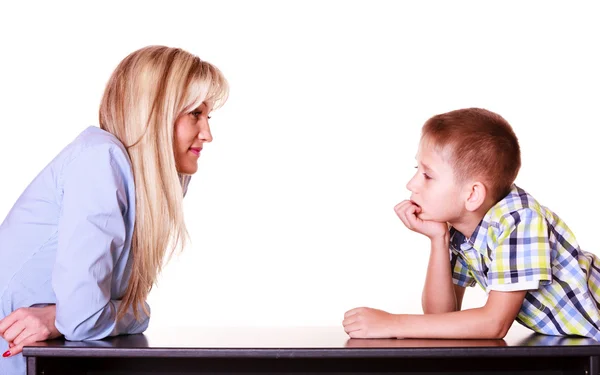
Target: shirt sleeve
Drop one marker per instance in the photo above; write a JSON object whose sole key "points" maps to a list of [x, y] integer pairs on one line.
{"points": [[522, 259], [91, 240], [461, 275]]}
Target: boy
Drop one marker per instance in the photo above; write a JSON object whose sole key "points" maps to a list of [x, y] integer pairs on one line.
{"points": [[526, 258]]}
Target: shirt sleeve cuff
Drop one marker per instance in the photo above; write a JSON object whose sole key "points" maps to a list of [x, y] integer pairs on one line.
{"points": [[525, 285]]}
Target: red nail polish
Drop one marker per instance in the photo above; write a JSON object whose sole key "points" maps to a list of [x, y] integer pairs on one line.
{"points": [[6, 354]]}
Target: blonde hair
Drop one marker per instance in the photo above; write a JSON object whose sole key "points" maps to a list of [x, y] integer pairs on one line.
{"points": [[145, 95]]}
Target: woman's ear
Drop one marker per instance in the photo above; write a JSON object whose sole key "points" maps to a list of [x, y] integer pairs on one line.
{"points": [[477, 195]]}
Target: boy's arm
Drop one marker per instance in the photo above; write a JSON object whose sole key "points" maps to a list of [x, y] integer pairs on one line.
{"points": [[491, 321], [438, 292], [459, 291]]}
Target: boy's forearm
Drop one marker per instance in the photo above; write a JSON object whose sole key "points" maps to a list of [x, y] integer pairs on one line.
{"points": [[438, 291], [477, 323]]}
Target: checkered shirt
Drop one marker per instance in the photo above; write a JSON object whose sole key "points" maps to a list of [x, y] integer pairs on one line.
{"points": [[521, 245]]}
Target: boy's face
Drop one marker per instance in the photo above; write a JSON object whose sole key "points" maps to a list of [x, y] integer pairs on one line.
{"points": [[434, 187]]}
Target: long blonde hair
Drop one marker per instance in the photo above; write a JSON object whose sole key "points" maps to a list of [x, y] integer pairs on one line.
{"points": [[145, 95]]}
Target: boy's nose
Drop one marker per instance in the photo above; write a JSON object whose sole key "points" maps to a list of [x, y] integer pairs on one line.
{"points": [[410, 185]]}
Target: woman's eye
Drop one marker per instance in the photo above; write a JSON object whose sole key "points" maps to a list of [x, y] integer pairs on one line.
{"points": [[196, 113]]}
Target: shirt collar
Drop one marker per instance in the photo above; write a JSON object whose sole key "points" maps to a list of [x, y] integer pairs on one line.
{"points": [[478, 239]]}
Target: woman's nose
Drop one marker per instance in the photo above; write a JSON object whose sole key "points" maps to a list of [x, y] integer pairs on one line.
{"points": [[205, 133]]}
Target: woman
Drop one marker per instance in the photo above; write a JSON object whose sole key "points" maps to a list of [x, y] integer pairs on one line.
{"points": [[84, 243]]}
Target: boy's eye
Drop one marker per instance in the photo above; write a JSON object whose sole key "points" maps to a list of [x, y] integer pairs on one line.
{"points": [[427, 177], [208, 117]]}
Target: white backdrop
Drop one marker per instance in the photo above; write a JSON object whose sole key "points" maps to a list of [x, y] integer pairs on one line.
{"points": [[291, 213]]}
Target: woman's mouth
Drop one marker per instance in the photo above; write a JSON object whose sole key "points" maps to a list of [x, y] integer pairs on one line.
{"points": [[195, 150]]}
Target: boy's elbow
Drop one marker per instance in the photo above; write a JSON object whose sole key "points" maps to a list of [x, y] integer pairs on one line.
{"points": [[499, 329], [499, 334], [504, 330]]}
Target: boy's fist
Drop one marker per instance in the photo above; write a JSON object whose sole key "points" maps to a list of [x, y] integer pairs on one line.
{"points": [[368, 323], [409, 212]]}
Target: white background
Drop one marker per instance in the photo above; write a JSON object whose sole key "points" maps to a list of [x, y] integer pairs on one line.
{"points": [[291, 213]]}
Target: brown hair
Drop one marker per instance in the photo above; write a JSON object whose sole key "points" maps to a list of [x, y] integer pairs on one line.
{"points": [[478, 144]]}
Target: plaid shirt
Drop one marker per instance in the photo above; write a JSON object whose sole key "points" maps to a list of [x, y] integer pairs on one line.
{"points": [[521, 245]]}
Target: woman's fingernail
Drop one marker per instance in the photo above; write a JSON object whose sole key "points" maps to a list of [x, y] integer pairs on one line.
{"points": [[6, 354]]}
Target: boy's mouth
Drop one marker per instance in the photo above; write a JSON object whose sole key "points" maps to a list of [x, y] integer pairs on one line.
{"points": [[419, 209]]}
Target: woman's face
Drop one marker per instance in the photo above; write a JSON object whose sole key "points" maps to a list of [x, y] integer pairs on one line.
{"points": [[191, 132]]}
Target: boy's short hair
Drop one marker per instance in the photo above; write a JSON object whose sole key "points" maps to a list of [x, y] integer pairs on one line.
{"points": [[478, 144]]}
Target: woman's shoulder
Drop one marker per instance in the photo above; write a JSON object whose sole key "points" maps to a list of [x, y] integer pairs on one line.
{"points": [[93, 151], [97, 145], [94, 138]]}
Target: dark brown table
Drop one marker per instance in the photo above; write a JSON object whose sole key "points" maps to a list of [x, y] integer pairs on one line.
{"points": [[310, 350]]}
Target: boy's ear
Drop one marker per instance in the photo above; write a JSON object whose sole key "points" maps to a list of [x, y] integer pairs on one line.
{"points": [[476, 196]]}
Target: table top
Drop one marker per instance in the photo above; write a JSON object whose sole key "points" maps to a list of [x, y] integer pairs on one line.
{"points": [[306, 342]]}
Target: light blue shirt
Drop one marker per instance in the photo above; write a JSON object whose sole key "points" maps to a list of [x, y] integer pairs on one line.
{"points": [[67, 239]]}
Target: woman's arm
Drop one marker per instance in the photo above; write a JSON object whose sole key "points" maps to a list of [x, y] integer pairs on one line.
{"points": [[28, 325], [92, 239]]}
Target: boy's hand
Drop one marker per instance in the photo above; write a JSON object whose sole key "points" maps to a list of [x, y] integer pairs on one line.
{"points": [[28, 325], [368, 323], [408, 212]]}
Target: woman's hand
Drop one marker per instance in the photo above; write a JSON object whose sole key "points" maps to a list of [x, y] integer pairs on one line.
{"points": [[28, 325]]}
